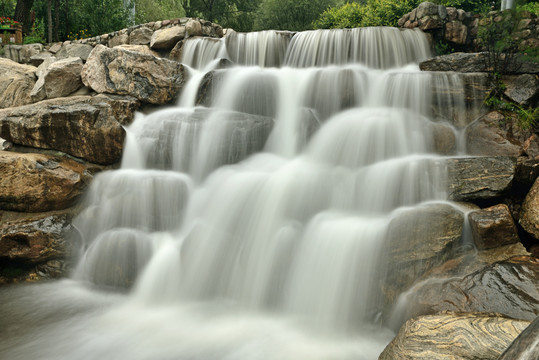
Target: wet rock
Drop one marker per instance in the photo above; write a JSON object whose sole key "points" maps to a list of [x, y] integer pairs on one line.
{"points": [[36, 239], [522, 89], [16, 83], [444, 139], [525, 346], [476, 178], [123, 72], [419, 240], [529, 216], [167, 38], [81, 51], [37, 182], [508, 287], [493, 227], [454, 336], [83, 126], [489, 136], [475, 62], [140, 36], [61, 78]]}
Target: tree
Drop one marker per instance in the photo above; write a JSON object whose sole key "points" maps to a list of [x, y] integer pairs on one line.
{"points": [[152, 10], [22, 14], [293, 15], [236, 14]]}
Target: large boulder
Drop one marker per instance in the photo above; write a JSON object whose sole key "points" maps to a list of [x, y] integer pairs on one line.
{"points": [[123, 72], [140, 36], [456, 32], [83, 126], [476, 178], [419, 240], [37, 182], [16, 83], [525, 346], [493, 227], [491, 135], [454, 337], [167, 38], [529, 215], [508, 287], [81, 51], [60, 78], [523, 89]]}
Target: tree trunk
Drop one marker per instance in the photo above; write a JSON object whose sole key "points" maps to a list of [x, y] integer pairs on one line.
{"points": [[49, 21], [22, 14], [56, 19]]}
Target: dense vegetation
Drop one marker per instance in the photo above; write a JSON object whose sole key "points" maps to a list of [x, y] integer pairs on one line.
{"points": [[55, 20]]}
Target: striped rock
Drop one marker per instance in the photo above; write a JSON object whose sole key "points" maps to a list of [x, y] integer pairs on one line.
{"points": [[453, 336]]}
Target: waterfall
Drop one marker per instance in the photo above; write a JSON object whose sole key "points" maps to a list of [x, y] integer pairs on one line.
{"points": [[251, 225]]}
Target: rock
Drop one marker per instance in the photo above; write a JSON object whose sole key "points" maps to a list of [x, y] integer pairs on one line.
{"points": [[529, 215], [525, 346], [167, 38], [16, 83], [37, 239], [475, 62], [123, 72], [176, 52], [489, 136], [37, 182], [144, 49], [477, 178], [193, 28], [121, 39], [419, 240], [456, 32], [454, 336], [444, 139], [140, 36], [75, 50], [62, 77], [522, 89], [507, 287], [38, 59], [527, 171], [55, 47], [430, 23], [426, 9], [493, 227], [27, 51], [82, 126], [11, 52]]}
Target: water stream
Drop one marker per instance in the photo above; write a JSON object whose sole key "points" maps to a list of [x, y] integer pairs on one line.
{"points": [[251, 227]]}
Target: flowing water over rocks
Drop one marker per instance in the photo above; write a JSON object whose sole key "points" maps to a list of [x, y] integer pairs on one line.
{"points": [[254, 227]]}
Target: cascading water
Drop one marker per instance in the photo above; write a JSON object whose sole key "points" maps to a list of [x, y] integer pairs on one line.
{"points": [[251, 228]]}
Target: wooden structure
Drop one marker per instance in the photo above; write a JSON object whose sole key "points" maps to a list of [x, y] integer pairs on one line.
{"points": [[11, 35]]}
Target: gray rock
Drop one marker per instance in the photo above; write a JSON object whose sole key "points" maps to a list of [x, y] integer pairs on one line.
{"points": [[75, 50], [27, 51], [476, 62], [16, 83], [493, 227], [426, 9], [489, 136], [167, 38], [123, 72], [454, 336], [84, 126], [121, 39], [55, 47], [476, 178], [522, 89], [139, 48], [141, 36], [525, 346], [38, 59], [62, 77]]}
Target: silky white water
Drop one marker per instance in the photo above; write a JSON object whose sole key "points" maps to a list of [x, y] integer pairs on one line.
{"points": [[253, 227]]}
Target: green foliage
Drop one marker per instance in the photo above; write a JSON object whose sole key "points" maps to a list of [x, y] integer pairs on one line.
{"points": [[7, 7], [293, 15], [368, 13], [37, 34], [532, 7], [473, 6], [151, 10], [236, 14]]}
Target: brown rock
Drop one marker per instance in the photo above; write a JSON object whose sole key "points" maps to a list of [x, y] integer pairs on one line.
{"points": [[493, 227], [529, 216], [144, 49], [453, 336], [121, 39], [522, 89], [456, 32], [141, 36], [193, 28], [525, 346], [444, 139], [36, 182], [82, 126], [16, 83], [62, 78], [167, 38], [430, 23], [123, 72]]}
